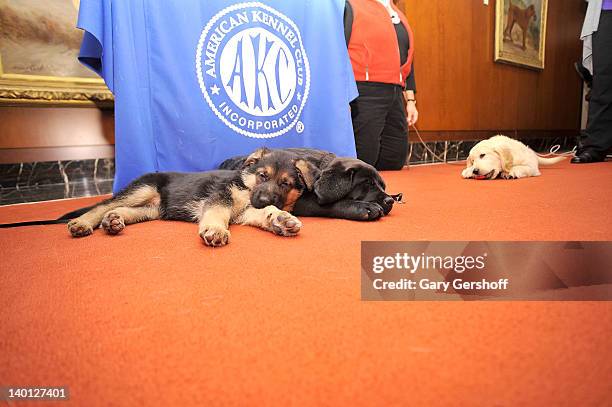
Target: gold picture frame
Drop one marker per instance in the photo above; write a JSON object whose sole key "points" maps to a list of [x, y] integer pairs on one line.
{"points": [[38, 57], [520, 32]]}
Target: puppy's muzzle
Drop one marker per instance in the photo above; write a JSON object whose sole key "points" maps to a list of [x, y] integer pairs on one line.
{"points": [[261, 199]]}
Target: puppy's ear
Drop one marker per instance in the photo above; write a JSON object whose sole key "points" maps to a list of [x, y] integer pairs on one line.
{"points": [[469, 162], [505, 155], [255, 157], [334, 184], [307, 172]]}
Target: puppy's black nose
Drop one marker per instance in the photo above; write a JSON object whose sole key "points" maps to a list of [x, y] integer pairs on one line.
{"points": [[264, 200], [388, 201], [475, 171]]}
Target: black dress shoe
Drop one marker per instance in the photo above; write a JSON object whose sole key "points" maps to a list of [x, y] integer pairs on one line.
{"points": [[587, 157]]}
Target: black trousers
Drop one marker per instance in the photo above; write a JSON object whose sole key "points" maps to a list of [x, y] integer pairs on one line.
{"points": [[597, 137], [379, 122]]}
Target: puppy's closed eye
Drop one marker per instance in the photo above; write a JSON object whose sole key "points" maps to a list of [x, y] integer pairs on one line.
{"points": [[482, 155]]}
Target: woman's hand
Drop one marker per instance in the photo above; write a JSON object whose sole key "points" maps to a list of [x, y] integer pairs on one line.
{"points": [[412, 114]]}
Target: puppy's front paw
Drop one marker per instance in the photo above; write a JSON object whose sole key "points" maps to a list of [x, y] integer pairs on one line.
{"points": [[467, 173], [285, 224], [516, 173], [113, 223], [79, 228], [364, 211], [214, 236]]}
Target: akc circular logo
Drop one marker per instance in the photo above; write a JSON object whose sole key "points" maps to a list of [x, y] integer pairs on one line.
{"points": [[253, 70]]}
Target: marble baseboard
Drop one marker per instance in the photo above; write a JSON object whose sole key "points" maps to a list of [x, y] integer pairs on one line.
{"points": [[43, 181], [9, 196]]}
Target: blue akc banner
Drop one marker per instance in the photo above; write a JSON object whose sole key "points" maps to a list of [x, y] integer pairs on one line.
{"points": [[196, 82]]}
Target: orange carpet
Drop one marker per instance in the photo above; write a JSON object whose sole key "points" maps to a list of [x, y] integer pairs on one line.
{"points": [[152, 317]]}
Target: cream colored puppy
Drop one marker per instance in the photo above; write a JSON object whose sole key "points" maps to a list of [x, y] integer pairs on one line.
{"points": [[501, 156]]}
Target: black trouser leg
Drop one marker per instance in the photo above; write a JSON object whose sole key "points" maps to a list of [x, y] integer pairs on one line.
{"points": [[369, 112], [394, 138], [597, 137]]}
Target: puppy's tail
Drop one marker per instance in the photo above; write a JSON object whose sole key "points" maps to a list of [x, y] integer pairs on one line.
{"points": [[33, 223], [62, 219], [551, 160]]}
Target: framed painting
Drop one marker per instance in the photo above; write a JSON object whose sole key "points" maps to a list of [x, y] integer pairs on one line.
{"points": [[520, 32], [39, 46]]}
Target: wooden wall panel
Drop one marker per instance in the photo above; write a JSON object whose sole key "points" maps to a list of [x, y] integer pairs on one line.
{"points": [[461, 88], [52, 133], [22, 127]]}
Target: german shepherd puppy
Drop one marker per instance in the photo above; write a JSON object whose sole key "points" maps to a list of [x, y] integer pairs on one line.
{"points": [[345, 188], [214, 199]]}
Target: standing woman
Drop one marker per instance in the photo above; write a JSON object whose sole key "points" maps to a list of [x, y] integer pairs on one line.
{"points": [[381, 47]]}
